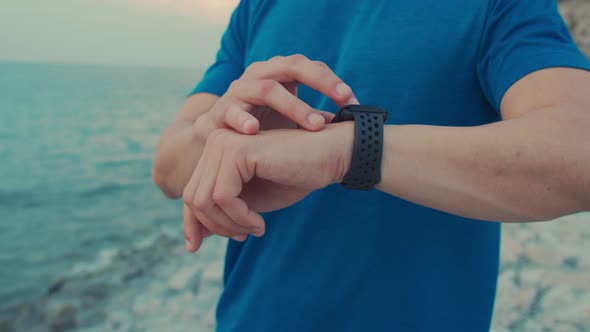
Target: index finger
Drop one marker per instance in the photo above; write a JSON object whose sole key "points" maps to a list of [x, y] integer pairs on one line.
{"points": [[315, 74]]}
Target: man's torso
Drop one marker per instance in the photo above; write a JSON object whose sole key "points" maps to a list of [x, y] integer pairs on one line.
{"points": [[367, 261]]}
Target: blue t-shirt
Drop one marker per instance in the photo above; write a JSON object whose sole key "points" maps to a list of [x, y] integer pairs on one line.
{"points": [[344, 260]]}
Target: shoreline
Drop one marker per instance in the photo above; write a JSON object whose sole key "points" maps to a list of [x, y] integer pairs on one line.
{"points": [[544, 283]]}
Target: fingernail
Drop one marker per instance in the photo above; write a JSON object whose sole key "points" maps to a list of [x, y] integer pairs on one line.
{"points": [[353, 101], [187, 245], [257, 231], [249, 124], [239, 238], [315, 119], [342, 89]]}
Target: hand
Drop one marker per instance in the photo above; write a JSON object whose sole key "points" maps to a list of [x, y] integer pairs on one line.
{"points": [[231, 182], [265, 98]]}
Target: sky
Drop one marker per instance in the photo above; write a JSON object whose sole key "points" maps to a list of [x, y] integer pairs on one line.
{"points": [[183, 33]]}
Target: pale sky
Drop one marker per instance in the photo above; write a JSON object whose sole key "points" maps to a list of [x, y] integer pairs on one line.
{"points": [[144, 32]]}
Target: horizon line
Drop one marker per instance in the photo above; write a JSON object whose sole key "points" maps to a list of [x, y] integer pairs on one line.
{"points": [[103, 64]]}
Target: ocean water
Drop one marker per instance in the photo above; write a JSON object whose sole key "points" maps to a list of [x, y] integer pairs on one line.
{"points": [[76, 146]]}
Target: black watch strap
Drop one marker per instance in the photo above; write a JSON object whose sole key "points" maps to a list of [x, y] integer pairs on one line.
{"points": [[365, 167]]}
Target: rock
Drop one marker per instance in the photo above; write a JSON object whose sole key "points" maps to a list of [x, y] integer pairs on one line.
{"points": [[564, 304], [210, 318], [96, 291], [577, 16], [147, 306], [63, 318], [213, 274], [6, 326], [504, 312], [531, 277], [56, 286], [133, 274], [524, 298], [579, 280], [185, 278], [571, 262], [543, 254], [511, 250], [530, 326]]}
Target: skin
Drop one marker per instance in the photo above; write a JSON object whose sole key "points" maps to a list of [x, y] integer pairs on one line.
{"points": [[263, 88], [264, 98], [532, 166]]}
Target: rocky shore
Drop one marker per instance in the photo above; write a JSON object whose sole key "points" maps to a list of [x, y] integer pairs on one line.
{"points": [[155, 286], [544, 285], [544, 282], [577, 15]]}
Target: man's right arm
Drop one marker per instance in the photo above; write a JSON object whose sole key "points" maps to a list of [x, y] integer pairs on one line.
{"points": [[180, 146], [271, 85]]}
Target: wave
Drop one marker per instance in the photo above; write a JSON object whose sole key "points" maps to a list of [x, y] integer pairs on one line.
{"points": [[103, 189], [22, 199], [92, 285], [34, 198]]}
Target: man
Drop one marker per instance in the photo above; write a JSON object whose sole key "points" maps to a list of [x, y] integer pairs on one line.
{"points": [[488, 114]]}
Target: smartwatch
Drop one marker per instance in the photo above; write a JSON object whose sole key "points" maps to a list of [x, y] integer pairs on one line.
{"points": [[365, 167]]}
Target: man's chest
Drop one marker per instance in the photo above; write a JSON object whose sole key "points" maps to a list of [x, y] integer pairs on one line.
{"points": [[385, 49], [381, 31]]}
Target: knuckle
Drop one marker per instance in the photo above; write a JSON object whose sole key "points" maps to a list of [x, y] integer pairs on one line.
{"points": [[232, 113], [304, 110], [225, 105], [201, 203], [219, 112], [215, 228], [253, 67], [242, 219], [226, 140], [276, 58], [235, 85], [296, 108], [230, 148], [203, 122], [221, 198], [297, 59], [187, 198], [326, 74], [265, 87], [217, 136], [322, 65]]}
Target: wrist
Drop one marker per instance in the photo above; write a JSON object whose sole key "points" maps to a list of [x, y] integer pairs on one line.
{"points": [[342, 138], [365, 163], [202, 128]]}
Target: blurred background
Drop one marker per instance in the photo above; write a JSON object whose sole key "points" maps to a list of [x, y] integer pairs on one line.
{"points": [[88, 243]]}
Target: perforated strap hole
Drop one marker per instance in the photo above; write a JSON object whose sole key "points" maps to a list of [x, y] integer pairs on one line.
{"points": [[364, 173]]}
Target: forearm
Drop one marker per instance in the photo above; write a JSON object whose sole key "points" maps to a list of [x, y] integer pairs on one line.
{"points": [[177, 155], [532, 168], [181, 146]]}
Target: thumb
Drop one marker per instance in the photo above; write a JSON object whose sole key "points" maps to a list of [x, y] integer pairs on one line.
{"points": [[193, 232]]}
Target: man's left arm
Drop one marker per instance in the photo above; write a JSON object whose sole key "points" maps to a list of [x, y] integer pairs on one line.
{"points": [[534, 165]]}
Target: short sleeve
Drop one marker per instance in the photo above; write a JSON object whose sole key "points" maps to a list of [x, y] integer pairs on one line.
{"points": [[229, 61], [521, 37]]}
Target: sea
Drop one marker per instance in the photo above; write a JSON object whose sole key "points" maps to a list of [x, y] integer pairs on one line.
{"points": [[83, 226], [76, 149]]}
